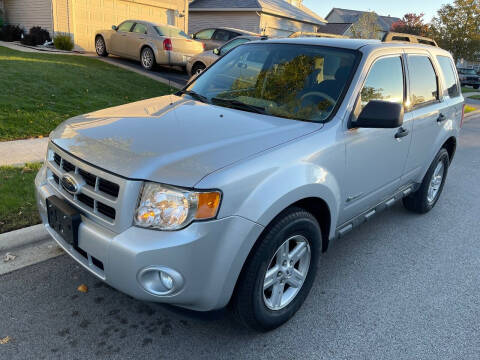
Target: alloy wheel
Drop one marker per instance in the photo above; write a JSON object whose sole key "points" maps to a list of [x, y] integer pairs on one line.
{"points": [[435, 182], [286, 272]]}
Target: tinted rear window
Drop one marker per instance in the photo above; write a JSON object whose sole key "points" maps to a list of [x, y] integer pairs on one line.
{"points": [[449, 76], [423, 80], [170, 32]]}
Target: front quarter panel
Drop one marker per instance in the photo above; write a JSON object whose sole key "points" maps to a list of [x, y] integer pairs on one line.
{"points": [[261, 187], [107, 35]]}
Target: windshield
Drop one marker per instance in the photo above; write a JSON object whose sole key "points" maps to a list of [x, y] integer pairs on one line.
{"points": [[170, 32], [300, 82]]}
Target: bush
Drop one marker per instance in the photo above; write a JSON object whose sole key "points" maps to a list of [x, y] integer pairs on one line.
{"points": [[36, 36], [11, 33], [63, 42]]}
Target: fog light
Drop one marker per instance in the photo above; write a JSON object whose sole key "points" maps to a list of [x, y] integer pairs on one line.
{"points": [[167, 280], [160, 280]]}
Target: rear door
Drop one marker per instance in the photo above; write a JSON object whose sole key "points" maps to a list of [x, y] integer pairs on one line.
{"points": [[134, 40], [429, 110], [375, 158], [118, 41]]}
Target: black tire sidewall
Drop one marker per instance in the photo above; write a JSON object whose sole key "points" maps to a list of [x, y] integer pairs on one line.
{"points": [[293, 223], [196, 67]]}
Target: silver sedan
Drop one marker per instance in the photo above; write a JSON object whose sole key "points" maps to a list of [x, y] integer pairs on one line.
{"points": [[148, 42]]}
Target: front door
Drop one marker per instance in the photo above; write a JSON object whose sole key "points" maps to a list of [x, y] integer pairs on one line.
{"points": [[118, 40], [375, 158]]}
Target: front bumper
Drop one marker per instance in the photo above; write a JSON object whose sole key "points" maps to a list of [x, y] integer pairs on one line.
{"points": [[209, 255]]}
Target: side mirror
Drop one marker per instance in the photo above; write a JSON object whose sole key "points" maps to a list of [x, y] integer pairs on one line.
{"points": [[114, 27], [193, 36], [216, 51], [380, 114]]}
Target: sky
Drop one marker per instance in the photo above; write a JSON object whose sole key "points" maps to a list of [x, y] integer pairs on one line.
{"points": [[396, 8]]}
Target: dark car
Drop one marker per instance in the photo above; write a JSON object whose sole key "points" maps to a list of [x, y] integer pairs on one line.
{"points": [[469, 77], [216, 37]]}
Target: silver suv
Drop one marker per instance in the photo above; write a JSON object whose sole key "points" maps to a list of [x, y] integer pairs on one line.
{"points": [[229, 191]]}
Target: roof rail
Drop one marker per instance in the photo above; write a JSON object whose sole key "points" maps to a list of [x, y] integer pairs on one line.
{"points": [[315, 34], [401, 37]]}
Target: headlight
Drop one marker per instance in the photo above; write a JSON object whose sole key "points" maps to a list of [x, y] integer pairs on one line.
{"points": [[168, 208]]}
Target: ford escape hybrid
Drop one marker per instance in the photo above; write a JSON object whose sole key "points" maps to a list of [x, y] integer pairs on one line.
{"points": [[227, 192]]}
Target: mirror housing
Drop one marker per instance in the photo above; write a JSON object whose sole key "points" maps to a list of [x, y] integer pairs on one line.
{"points": [[216, 51], [380, 114], [114, 27]]}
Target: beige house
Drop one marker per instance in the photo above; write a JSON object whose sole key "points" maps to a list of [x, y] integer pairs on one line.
{"points": [[82, 18], [269, 17]]}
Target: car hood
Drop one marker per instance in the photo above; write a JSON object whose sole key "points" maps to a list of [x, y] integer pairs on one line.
{"points": [[171, 139]]}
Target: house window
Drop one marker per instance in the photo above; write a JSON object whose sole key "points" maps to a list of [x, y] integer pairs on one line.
{"points": [[171, 17]]}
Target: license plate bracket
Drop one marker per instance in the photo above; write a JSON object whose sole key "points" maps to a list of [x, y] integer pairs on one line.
{"points": [[64, 219]]}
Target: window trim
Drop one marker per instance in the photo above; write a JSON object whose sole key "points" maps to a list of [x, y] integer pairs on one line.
{"points": [[437, 79], [355, 111]]}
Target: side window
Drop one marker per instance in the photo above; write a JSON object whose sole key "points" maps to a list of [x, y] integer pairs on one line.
{"points": [[423, 80], [125, 26], [233, 35], [221, 35], [204, 34], [449, 76], [140, 29], [384, 81], [234, 43]]}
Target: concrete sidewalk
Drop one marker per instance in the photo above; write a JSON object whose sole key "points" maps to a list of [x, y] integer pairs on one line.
{"points": [[19, 152]]}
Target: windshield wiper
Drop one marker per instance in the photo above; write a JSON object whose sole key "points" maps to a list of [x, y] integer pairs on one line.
{"points": [[240, 105], [194, 95]]}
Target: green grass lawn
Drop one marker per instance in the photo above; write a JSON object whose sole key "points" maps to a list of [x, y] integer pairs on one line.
{"points": [[469, 89], [39, 91], [17, 197], [476, 97]]}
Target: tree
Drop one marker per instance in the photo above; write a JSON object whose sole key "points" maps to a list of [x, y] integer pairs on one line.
{"points": [[366, 27], [456, 28], [411, 23]]}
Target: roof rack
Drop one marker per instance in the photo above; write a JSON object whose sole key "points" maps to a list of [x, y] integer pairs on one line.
{"points": [[315, 34], [401, 37]]}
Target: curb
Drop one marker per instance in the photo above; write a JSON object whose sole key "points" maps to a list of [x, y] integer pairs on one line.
{"points": [[472, 113], [22, 237]]}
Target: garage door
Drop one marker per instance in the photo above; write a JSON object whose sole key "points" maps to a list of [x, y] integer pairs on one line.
{"points": [[90, 16]]}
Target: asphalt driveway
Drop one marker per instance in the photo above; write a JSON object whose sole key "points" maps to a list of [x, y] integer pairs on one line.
{"points": [[402, 286], [175, 75]]}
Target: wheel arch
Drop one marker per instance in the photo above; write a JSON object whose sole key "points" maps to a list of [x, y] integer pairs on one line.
{"points": [[451, 146]]}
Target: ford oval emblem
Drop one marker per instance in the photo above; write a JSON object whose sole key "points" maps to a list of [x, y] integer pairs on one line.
{"points": [[70, 184]]}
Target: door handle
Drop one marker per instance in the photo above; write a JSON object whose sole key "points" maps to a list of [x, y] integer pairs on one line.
{"points": [[402, 132], [141, 38], [441, 118]]}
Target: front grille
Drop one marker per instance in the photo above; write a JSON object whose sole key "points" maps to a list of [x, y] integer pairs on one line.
{"points": [[107, 190]]}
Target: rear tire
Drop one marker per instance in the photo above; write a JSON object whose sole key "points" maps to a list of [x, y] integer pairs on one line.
{"points": [[476, 86], [100, 46], [424, 199], [147, 58], [280, 271]]}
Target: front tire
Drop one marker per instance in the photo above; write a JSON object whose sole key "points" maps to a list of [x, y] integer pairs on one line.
{"points": [[147, 58], [198, 68], [424, 199], [476, 86], [100, 46], [280, 271]]}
